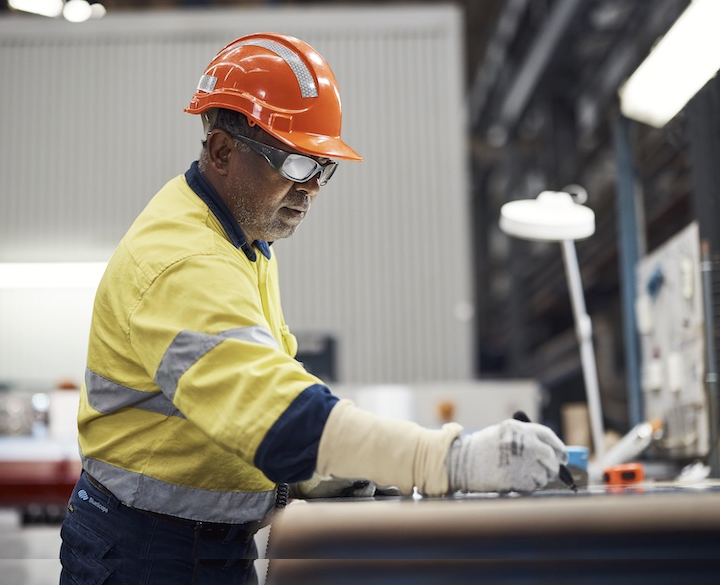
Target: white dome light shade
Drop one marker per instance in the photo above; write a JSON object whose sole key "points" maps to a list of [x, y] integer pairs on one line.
{"points": [[552, 216]]}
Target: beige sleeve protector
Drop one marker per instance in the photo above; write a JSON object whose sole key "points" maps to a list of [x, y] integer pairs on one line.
{"points": [[359, 444]]}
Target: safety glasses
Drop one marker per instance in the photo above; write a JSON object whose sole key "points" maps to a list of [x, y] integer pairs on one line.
{"points": [[295, 167]]}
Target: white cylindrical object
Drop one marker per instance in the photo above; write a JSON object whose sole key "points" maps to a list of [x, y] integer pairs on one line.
{"points": [[625, 450], [587, 355]]}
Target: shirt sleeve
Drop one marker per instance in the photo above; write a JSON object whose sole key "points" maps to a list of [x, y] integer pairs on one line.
{"points": [[202, 335]]}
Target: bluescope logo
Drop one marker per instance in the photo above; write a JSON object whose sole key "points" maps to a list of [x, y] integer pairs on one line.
{"points": [[83, 495]]}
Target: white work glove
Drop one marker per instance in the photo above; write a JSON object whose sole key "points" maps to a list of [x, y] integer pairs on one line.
{"points": [[510, 456]]}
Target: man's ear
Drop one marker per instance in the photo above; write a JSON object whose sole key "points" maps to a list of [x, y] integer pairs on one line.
{"points": [[220, 148]]}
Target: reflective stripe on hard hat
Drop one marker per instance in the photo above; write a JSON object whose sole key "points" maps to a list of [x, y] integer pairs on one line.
{"points": [[207, 83], [304, 78]]}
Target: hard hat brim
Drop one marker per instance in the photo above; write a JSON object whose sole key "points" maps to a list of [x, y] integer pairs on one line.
{"points": [[324, 146]]}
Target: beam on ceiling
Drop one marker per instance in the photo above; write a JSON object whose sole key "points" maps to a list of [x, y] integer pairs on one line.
{"points": [[535, 63], [495, 58]]}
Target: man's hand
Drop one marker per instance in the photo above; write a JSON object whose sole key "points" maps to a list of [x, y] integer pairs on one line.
{"points": [[510, 456]]}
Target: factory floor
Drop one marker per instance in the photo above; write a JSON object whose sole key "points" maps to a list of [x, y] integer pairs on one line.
{"points": [[29, 553]]}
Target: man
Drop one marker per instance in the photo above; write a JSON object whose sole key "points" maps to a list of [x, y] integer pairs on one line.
{"points": [[193, 408]]}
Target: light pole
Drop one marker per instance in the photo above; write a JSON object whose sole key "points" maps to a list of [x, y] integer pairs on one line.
{"points": [[555, 216]]}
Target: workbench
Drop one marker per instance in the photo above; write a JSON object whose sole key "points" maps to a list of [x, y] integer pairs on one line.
{"points": [[593, 536], [37, 476]]}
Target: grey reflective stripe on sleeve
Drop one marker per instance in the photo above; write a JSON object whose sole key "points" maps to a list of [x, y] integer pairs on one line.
{"points": [[108, 397], [304, 78], [147, 493], [189, 346]]}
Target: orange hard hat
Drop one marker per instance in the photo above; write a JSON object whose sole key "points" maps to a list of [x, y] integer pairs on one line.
{"points": [[282, 84]]}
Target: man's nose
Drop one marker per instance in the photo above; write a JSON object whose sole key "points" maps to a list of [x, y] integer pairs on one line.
{"points": [[310, 187]]}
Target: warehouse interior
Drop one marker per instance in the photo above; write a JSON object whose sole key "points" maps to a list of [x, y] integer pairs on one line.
{"points": [[443, 315]]}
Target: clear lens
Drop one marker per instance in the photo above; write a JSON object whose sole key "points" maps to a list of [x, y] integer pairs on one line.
{"points": [[327, 172], [299, 168]]}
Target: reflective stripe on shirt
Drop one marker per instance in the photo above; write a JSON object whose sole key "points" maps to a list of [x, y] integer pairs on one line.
{"points": [[181, 501], [189, 346], [108, 397]]}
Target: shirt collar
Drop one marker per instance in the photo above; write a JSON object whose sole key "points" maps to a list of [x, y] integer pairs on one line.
{"points": [[212, 199]]}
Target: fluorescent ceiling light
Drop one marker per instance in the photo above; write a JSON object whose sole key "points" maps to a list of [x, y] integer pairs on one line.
{"points": [[44, 275], [681, 63], [50, 8]]}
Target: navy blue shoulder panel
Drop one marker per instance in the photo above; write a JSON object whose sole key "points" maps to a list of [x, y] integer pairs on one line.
{"points": [[288, 453]]}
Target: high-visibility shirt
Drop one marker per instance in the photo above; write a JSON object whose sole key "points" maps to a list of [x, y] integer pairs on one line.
{"points": [[193, 404]]}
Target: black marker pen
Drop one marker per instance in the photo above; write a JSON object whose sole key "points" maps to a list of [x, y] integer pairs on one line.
{"points": [[564, 473]]}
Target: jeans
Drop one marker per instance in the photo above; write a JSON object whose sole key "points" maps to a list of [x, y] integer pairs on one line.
{"points": [[105, 542]]}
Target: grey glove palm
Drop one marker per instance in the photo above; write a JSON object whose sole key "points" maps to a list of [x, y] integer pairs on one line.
{"points": [[510, 456]]}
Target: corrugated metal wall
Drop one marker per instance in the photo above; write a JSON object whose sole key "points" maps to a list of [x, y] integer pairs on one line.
{"points": [[92, 125]]}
